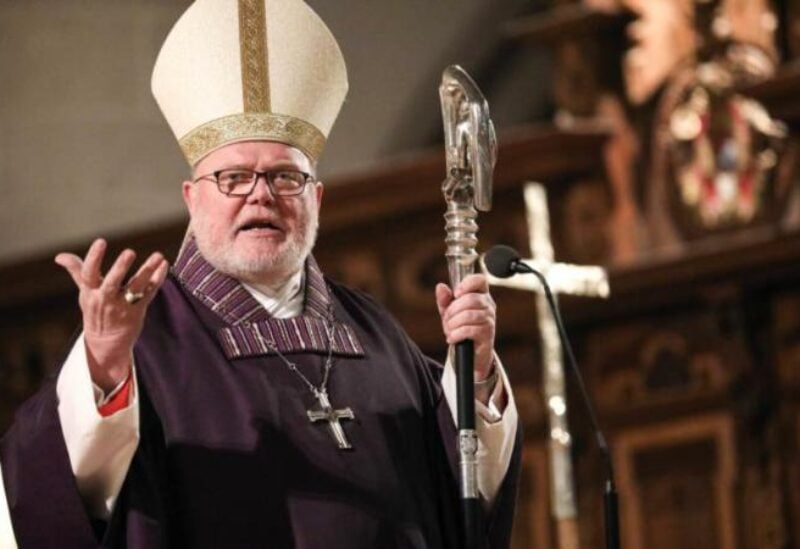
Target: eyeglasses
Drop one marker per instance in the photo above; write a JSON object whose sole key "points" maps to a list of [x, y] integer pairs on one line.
{"points": [[242, 181]]}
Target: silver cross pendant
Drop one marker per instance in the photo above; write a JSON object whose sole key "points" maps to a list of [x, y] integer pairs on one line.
{"points": [[327, 413]]}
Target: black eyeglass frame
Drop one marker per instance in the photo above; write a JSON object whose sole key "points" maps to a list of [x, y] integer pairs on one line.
{"points": [[268, 175]]}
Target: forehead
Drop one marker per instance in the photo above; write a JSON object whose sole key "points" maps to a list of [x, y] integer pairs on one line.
{"points": [[254, 154]]}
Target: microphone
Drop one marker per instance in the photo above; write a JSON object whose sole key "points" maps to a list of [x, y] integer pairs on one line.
{"points": [[503, 262]]}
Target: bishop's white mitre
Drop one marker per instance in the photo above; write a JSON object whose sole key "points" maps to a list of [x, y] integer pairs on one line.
{"points": [[241, 70]]}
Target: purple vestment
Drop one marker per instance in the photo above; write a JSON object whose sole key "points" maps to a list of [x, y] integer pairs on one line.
{"points": [[228, 456]]}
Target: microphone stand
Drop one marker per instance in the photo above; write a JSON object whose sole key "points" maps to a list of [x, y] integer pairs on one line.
{"points": [[610, 497], [471, 150]]}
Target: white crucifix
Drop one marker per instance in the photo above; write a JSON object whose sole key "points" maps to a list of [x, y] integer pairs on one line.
{"points": [[569, 279]]}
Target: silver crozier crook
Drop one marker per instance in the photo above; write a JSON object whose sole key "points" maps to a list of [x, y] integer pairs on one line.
{"points": [[471, 151]]}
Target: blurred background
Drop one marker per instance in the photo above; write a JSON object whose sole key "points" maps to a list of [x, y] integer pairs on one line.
{"points": [[665, 134], [90, 153]]}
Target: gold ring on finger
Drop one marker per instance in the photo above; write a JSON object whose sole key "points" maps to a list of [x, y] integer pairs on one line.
{"points": [[132, 297]]}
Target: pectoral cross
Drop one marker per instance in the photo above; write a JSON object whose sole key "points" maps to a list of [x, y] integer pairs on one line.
{"points": [[563, 278], [327, 413]]}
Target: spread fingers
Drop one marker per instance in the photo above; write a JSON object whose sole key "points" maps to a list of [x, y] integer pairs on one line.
{"points": [[116, 274], [90, 270]]}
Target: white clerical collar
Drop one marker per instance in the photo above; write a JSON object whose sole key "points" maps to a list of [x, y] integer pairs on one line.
{"points": [[286, 300]]}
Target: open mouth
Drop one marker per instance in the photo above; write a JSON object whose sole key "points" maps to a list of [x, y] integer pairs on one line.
{"points": [[256, 226]]}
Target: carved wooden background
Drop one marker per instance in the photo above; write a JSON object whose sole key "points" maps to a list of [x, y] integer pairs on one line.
{"points": [[694, 361]]}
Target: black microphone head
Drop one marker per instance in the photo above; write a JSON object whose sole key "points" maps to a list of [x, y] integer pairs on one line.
{"points": [[500, 260]]}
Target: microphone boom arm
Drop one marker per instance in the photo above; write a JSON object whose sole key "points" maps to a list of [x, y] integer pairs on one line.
{"points": [[501, 263]]}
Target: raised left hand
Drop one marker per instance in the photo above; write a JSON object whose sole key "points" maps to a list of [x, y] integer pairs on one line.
{"points": [[470, 313]]}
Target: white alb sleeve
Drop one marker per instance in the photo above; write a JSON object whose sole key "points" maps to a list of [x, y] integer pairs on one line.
{"points": [[100, 448], [497, 430], [7, 539]]}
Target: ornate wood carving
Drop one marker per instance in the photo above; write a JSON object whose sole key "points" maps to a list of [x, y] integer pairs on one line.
{"points": [[641, 366], [786, 319], [678, 481], [764, 524], [662, 38]]}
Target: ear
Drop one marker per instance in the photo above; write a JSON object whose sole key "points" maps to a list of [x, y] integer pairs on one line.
{"points": [[319, 189], [187, 189]]}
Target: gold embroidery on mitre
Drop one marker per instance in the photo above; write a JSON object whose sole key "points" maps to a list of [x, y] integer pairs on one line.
{"points": [[253, 55], [252, 126]]}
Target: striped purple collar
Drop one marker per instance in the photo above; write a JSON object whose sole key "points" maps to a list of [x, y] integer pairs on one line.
{"points": [[251, 331]]}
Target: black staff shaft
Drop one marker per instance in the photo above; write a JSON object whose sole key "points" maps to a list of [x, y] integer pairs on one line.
{"points": [[470, 503], [465, 370]]}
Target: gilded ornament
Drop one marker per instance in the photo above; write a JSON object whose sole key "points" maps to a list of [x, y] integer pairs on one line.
{"points": [[252, 126]]}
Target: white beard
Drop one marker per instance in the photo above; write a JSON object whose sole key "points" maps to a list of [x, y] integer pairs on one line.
{"points": [[269, 268]]}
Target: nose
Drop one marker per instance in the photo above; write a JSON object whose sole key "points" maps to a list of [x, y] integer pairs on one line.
{"points": [[261, 194]]}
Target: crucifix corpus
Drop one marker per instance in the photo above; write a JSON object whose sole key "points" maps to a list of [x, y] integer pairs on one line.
{"points": [[568, 279]]}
